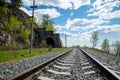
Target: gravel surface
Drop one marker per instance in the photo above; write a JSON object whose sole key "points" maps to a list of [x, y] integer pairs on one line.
{"points": [[75, 66], [111, 62], [8, 70], [11, 69]]}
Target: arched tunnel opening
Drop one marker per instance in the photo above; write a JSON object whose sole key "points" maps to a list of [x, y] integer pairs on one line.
{"points": [[50, 42]]}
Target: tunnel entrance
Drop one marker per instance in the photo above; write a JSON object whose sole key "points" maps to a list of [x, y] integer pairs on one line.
{"points": [[50, 42]]}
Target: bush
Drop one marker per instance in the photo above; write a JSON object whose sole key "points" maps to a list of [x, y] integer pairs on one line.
{"points": [[49, 48]]}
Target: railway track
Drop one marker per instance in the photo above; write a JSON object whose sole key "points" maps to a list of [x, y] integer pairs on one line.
{"points": [[75, 64], [111, 62]]}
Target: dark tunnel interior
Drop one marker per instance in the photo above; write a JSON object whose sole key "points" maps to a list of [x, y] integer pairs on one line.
{"points": [[50, 42]]}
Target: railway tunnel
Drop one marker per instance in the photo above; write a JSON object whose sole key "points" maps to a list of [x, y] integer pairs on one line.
{"points": [[52, 39], [50, 42]]}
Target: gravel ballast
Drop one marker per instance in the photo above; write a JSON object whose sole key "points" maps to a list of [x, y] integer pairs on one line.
{"points": [[74, 66], [112, 62], [8, 70]]}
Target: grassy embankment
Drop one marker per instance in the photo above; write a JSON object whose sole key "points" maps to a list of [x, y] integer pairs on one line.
{"points": [[12, 55], [102, 52]]}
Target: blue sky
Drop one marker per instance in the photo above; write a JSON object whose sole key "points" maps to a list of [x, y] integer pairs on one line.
{"points": [[80, 18]]}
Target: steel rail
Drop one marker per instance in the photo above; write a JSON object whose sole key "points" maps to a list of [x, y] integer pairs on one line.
{"points": [[109, 73], [31, 71]]}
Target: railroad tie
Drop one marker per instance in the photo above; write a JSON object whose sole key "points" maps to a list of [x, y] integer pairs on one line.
{"points": [[66, 68], [87, 67], [58, 73], [44, 78], [89, 72], [86, 63]]}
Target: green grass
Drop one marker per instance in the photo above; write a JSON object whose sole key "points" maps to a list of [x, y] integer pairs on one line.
{"points": [[12, 55]]}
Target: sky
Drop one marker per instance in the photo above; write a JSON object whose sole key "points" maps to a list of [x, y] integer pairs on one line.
{"points": [[78, 19]]}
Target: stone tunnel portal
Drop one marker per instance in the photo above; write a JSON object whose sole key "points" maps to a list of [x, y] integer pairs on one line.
{"points": [[50, 42]]}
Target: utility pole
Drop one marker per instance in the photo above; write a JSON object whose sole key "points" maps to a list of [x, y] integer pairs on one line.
{"points": [[65, 35], [31, 37], [65, 40]]}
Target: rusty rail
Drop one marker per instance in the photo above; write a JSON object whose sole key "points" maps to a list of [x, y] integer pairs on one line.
{"points": [[31, 71], [109, 73]]}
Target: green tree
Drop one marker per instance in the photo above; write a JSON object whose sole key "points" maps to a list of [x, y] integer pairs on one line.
{"points": [[28, 22], [12, 26], [117, 47], [94, 39], [3, 14], [3, 10], [44, 43], [16, 3], [25, 29], [50, 26], [47, 23], [45, 20], [105, 45], [25, 33]]}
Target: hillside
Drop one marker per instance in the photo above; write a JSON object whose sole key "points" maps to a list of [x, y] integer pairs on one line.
{"points": [[14, 26]]}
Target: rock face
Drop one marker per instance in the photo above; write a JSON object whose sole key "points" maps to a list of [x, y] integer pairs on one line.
{"points": [[5, 39], [52, 39]]}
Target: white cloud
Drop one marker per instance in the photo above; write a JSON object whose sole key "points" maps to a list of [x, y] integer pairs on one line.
{"points": [[115, 14], [104, 9], [53, 13], [58, 28], [85, 35], [77, 28], [64, 4], [69, 34], [97, 3], [79, 3], [78, 24], [80, 30], [108, 29]]}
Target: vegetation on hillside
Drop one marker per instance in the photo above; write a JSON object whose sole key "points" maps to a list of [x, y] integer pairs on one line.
{"points": [[47, 23], [15, 25], [11, 24]]}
